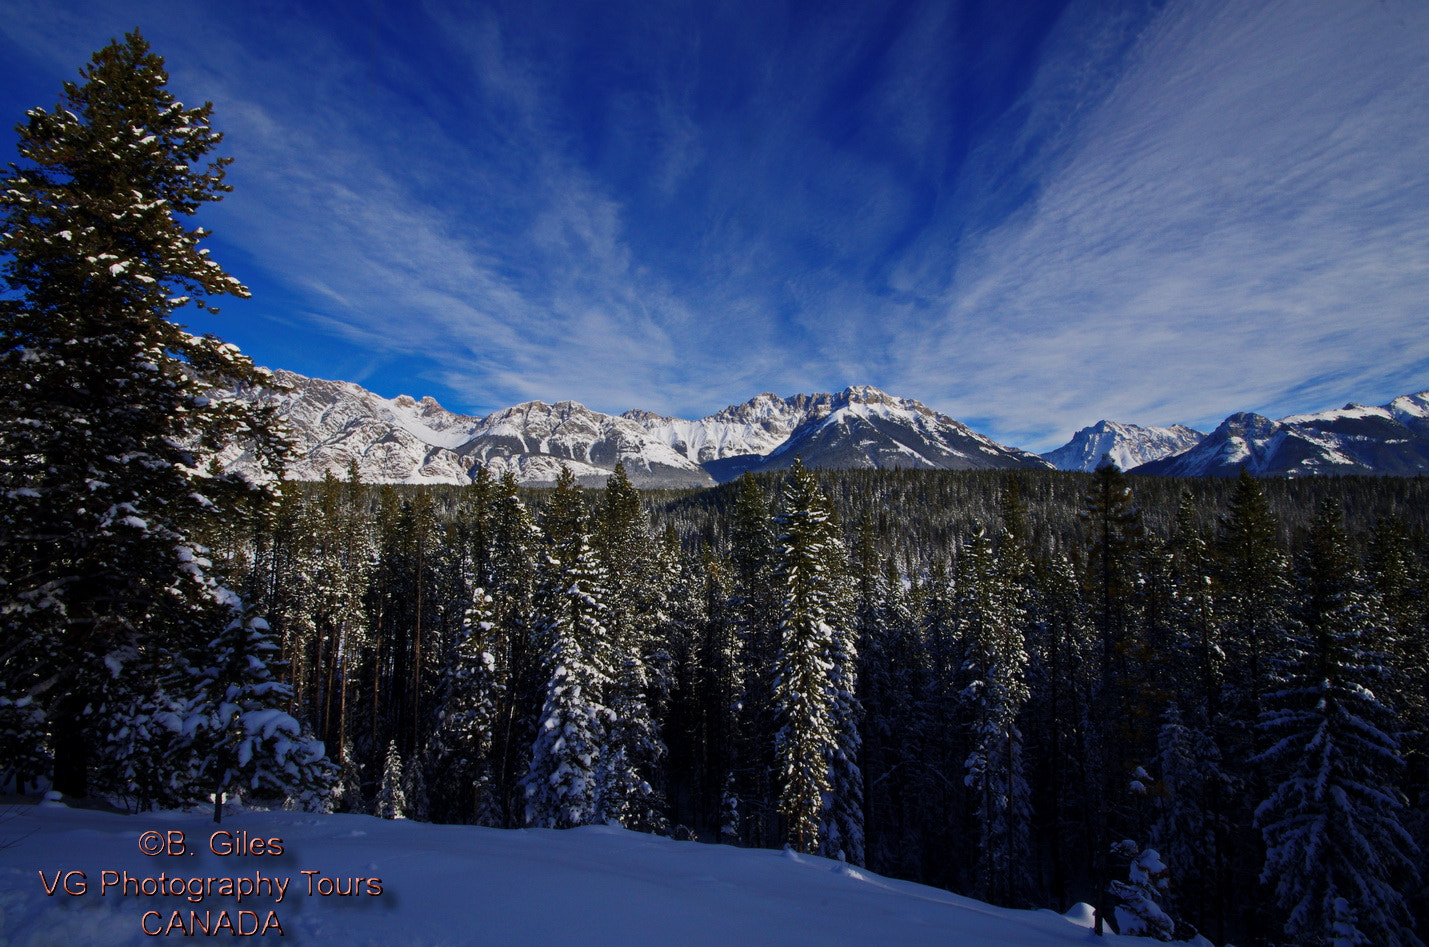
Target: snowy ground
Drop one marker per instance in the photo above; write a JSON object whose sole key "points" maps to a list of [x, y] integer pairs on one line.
{"points": [[465, 885]]}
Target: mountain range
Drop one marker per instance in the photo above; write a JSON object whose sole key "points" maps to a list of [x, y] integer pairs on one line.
{"points": [[403, 440], [1355, 439]]}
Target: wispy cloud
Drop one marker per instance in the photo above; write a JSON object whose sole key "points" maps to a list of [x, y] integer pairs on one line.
{"points": [[1240, 223], [1151, 213]]}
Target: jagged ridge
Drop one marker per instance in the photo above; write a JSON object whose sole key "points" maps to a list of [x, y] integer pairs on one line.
{"points": [[400, 440]]}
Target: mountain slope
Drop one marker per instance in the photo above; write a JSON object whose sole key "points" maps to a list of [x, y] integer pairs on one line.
{"points": [[756, 427], [865, 428], [534, 439], [1129, 445], [392, 440], [400, 440], [1389, 439]]}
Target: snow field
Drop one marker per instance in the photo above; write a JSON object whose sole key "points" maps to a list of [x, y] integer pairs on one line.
{"points": [[470, 885]]}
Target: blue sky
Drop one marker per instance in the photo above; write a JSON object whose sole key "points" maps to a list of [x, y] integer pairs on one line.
{"points": [[1029, 215]]}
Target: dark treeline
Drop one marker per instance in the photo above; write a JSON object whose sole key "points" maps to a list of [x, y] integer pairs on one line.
{"points": [[1198, 705]]}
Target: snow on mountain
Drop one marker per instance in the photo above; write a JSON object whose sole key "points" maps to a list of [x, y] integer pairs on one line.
{"points": [[535, 438], [449, 885], [1355, 439], [399, 440], [863, 427], [1128, 445], [859, 427], [393, 440], [756, 427]]}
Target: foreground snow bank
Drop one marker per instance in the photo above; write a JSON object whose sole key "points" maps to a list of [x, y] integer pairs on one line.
{"points": [[456, 885]]}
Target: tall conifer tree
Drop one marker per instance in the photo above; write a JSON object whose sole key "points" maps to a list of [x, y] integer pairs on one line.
{"points": [[1337, 852], [812, 692], [107, 406]]}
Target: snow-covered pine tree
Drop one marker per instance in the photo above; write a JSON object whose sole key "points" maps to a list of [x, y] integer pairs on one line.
{"points": [[889, 683], [510, 578], [414, 790], [698, 593], [245, 740], [634, 748], [1197, 655], [753, 607], [1114, 531], [1061, 662], [341, 569], [995, 691], [391, 802], [1138, 908], [107, 405], [843, 834], [1253, 590], [1251, 596], [805, 693], [472, 695], [1337, 852], [563, 782], [148, 755], [1189, 827]]}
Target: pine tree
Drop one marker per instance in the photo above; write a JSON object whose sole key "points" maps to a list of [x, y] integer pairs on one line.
{"points": [[107, 406], [754, 609], [994, 693], [805, 694], [842, 836], [634, 747], [391, 800], [473, 695], [565, 776], [1254, 587], [1252, 594], [1114, 532], [247, 741], [889, 684], [1337, 852], [1190, 825], [1198, 654], [511, 580], [1062, 667]]}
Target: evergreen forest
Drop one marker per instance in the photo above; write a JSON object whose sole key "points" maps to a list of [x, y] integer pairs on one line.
{"points": [[1013, 685]]}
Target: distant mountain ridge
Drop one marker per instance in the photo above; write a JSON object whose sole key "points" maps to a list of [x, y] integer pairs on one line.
{"points": [[1388, 439], [1128, 445], [401, 440], [404, 440]]}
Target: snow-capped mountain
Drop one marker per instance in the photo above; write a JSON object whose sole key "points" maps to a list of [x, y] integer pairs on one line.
{"points": [[393, 440], [1388, 439], [756, 427], [862, 427], [399, 440], [1128, 445], [535, 439]]}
